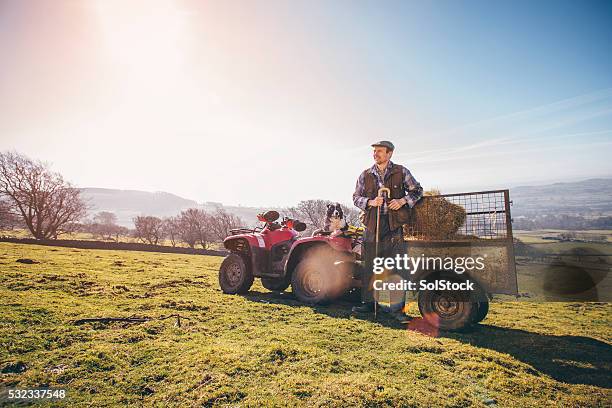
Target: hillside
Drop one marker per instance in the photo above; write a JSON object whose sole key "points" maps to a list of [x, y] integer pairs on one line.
{"points": [[127, 204], [591, 197], [587, 197]]}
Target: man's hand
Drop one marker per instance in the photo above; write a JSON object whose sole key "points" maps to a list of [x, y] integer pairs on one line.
{"points": [[396, 204], [376, 202]]}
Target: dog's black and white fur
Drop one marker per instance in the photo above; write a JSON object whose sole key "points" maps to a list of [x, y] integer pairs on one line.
{"points": [[334, 219]]}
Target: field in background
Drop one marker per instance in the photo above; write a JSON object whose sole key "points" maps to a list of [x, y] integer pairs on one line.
{"points": [[265, 349], [537, 236], [85, 236], [534, 238]]}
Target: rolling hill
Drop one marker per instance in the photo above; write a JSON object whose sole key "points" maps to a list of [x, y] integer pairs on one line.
{"points": [[127, 204], [592, 197]]}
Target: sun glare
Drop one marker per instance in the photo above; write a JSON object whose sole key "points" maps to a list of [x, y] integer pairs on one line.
{"points": [[148, 42]]}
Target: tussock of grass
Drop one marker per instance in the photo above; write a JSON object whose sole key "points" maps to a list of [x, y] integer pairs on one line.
{"points": [[268, 350]]}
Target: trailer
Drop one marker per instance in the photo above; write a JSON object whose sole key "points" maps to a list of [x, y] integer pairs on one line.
{"points": [[486, 233]]}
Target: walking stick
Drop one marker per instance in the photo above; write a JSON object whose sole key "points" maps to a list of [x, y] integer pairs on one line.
{"points": [[381, 191]]}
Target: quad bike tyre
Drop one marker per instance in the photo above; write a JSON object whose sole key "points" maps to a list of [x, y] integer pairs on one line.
{"points": [[276, 284], [308, 283], [235, 277], [317, 279], [448, 310]]}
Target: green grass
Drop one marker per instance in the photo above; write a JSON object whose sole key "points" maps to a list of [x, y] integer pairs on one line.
{"points": [[536, 236], [86, 236], [268, 350]]}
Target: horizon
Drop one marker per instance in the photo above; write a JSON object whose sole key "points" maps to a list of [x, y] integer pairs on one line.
{"points": [[200, 203], [170, 96]]}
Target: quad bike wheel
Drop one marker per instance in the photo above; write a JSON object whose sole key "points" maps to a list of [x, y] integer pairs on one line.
{"points": [[234, 275], [276, 284], [321, 276], [448, 310], [308, 283]]}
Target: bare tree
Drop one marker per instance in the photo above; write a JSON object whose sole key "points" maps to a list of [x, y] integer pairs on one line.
{"points": [[47, 204], [105, 226], [172, 229], [148, 229], [8, 220], [121, 231], [105, 218], [221, 222], [193, 227], [313, 212], [352, 215]]}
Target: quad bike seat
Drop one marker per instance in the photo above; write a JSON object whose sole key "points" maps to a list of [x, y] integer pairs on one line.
{"points": [[321, 232]]}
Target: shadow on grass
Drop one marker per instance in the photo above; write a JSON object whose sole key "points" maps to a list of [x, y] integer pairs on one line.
{"points": [[570, 359]]}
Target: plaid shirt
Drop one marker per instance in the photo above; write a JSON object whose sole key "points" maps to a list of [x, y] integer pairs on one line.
{"points": [[413, 189]]}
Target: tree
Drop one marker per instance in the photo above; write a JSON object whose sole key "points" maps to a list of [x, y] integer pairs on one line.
{"points": [[193, 227], [172, 229], [8, 220], [313, 212], [221, 222], [105, 226], [47, 204], [120, 231], [148, 229], [105, 218], [351, 215]]}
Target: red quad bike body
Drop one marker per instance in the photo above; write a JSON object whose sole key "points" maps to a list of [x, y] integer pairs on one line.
{"points": [[319, 268]]}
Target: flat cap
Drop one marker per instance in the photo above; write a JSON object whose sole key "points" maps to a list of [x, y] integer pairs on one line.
{"points": [[384, 143]]}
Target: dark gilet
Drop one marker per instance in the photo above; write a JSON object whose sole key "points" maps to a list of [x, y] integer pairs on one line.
{"points": [[394, 181]]}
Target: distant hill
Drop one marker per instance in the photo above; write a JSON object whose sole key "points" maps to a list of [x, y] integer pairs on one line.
{"points": [[592, 197], [127, 204]]}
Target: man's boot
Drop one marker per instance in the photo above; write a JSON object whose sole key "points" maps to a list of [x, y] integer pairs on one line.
{"points": [[364, 308]]}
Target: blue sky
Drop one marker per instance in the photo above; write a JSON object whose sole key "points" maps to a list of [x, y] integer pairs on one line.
{"points": [[210, 99]]}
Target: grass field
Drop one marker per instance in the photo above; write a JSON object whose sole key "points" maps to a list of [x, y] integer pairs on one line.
{"points": [[268, 350], [86, 236], [537, 236]]}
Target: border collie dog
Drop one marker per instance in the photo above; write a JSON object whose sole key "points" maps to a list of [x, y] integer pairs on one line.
{"points": [[334, 220]]}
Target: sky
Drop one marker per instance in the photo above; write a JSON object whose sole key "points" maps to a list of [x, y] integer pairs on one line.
{"points": [[266, 103]]}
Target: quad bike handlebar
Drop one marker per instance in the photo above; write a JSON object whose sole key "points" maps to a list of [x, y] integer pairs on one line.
{"points": [[269, 219]]}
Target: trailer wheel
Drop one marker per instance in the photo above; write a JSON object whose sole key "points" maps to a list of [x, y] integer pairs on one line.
{"points": [[276, 284], [447, 310], [234, 276], [482, 308]]}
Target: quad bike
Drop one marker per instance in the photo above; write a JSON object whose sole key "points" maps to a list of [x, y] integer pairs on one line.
{"points": [[319, 269]]}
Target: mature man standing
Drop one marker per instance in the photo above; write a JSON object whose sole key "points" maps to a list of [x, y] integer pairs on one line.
{"points": [[405, 193]]}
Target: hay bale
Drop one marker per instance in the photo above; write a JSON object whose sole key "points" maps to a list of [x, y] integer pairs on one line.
{"points": [[434, 218]]}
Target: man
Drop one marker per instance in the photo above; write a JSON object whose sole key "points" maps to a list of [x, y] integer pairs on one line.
{"points": [[405, 193]]}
